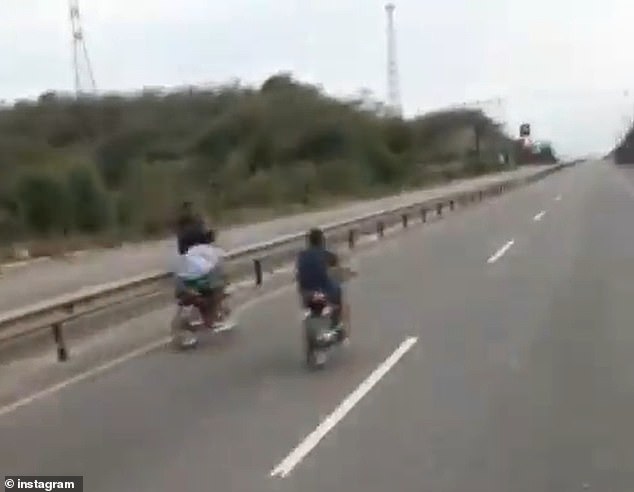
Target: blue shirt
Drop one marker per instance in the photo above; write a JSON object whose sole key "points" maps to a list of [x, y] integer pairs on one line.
{"points": [[312, 269]]}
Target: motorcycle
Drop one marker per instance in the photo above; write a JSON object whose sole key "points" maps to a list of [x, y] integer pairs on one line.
{"points": [[187, 321], [320, 334]]}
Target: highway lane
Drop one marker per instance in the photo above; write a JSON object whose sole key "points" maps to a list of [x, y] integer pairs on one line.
{"points": [[529, 388], [39, 281], [521, 378], [19, 380]]}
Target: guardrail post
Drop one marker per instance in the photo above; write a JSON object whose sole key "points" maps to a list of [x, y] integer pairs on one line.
{"points": [[404, 218], [451, 205], [257, 266], [480, 193], [62, 352], [439, 209], [423, 214], [380, 228], [351, 239]]}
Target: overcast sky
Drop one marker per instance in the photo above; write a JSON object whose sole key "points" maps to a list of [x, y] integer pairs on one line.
{"points": [[562, 65]]}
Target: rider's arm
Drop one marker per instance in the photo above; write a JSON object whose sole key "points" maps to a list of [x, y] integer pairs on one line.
{"points": [[216, 257], [340, 268], [332, 259], [300, 271]]}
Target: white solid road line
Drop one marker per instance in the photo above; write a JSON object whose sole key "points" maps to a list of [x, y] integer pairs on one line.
{"points": [[539, 216], [80, 377], [120, 360], [500, 252], [311, 441]]}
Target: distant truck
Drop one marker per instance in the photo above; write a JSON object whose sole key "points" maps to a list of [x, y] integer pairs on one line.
{"points": [[534, 153]]}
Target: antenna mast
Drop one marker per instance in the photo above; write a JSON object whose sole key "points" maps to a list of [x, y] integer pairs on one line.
{"points": [[394, 97], [81, 61]]}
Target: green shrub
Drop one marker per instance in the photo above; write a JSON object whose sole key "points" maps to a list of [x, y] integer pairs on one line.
{"points": [[44, 204], [89, 203], [115, 155]]}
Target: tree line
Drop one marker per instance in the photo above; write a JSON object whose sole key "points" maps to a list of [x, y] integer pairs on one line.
{"points": [[124, 162]]}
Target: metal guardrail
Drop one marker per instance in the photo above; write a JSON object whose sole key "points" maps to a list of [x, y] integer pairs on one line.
{"points": [[53, 313]]}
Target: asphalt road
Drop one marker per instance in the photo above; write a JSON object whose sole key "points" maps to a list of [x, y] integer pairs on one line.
{"points": [[513, 323], [43, 280]]}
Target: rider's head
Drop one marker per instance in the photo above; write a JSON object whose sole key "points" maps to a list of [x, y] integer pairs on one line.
{"points": [[316, 238], [210, 236]]}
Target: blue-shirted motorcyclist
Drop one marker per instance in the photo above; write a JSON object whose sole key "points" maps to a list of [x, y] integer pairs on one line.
{"points": [[313, 264]]}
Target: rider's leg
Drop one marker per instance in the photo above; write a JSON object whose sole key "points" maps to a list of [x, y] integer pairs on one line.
{"points": [[211, 307], [345, 318], [204, 304], [217, 283], [337, 302], [341, 318], [180, 323], [176, 325], [216, 299]]}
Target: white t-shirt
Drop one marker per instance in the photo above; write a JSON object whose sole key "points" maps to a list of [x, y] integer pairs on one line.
{"points": [[199, 261]]}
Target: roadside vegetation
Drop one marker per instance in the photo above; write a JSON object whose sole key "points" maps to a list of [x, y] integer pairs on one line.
{"points": [[117, 166], [624, 152]]}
